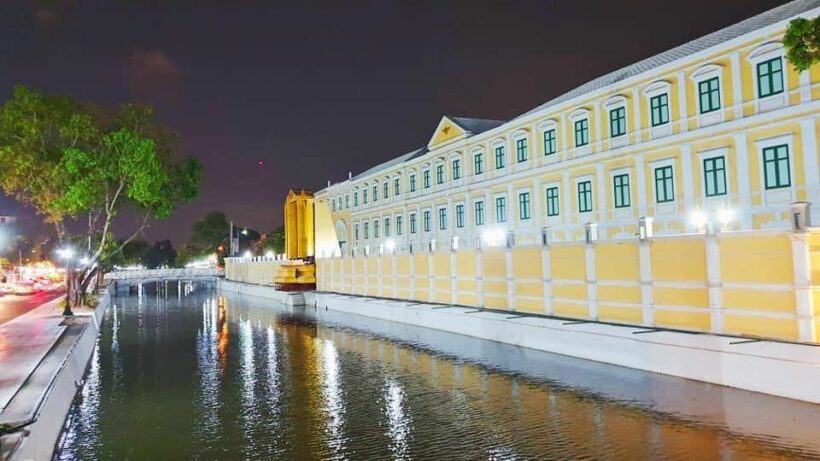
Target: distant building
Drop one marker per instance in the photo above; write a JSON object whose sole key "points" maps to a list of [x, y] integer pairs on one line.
{"points": [[720, 129], [8, 219]]}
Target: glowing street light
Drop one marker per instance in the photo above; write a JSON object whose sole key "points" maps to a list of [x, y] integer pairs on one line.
{"points": [[390, 244], [65, 253], [493, 237]]}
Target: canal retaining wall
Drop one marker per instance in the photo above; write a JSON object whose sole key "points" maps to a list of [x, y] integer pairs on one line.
{"points": [[777, 368], [43, 401]]}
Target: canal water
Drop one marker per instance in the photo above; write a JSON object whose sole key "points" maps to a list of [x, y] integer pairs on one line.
{"points": [[192, 373]]}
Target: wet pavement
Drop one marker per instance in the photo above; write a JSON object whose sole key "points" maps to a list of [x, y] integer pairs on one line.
{"points": [[199, 375]]}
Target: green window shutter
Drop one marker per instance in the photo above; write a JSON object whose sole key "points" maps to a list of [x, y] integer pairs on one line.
{"points": [[584, 196], [521, 150], [581, 132], [524, 206], [659, 109], [776, 168], [499, 158], [709, 92], [617, 122], [549, 142], [500, 209], [770, 77], [664, 184], [714, 176], [621, 190], [552, 201]]}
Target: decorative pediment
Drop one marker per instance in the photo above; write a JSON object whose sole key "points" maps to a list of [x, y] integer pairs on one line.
{"points": [[446, 131]]}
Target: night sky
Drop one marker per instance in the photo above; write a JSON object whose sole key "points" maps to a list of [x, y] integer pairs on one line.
{"points": [[322, 88]]}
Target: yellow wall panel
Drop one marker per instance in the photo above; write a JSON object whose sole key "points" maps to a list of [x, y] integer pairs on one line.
{"points": [[494, 263], [535, 306], [564, 309], [619, 293], [689, 297], [572, 291], [762, 300], [466, 298], [527, 263], [760, 326], [420, 264], [467, 285], [496, 302], [528, 288], [568, 262], [620, 314], [683, 320], [742, 258], [465, 263], [495, 288], [441, 263], [617, 261], [676, 259]]}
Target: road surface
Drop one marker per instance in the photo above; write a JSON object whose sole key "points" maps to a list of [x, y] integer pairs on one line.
{"points": [[12, 306]]}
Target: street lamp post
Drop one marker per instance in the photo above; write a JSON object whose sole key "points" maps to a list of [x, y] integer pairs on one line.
{"points": [[67, 253]]}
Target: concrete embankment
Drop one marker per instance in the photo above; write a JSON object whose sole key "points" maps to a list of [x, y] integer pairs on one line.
{"points": [[48, 357], [776, 368]]}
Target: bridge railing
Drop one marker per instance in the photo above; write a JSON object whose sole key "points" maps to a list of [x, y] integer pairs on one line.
{"points": [[182, 273]]}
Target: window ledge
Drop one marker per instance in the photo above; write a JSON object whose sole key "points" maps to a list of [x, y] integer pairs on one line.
{"points": [[660, 130]]}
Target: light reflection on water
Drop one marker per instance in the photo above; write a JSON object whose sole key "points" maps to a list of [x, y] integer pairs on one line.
{"points": [[190, 374]]}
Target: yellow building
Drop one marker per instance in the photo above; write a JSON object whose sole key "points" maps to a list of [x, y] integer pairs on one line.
{"points": [[674, 193], [719, 132]]}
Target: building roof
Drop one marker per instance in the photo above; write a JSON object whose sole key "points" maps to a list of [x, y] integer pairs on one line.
{"points": [[476, 126], [473, 126], [707, 41]]}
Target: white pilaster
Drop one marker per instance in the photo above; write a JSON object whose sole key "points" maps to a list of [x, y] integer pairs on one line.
{"points": [[602, 189], [689, 199], [546, 279], [411, 271], [714, 284], [431, 275], [598, 133], [567, 199], [592, 282], [636, 115], [801, 254], [682, 113], [808, 135], [479, 276], [508, 262], [453, 277], [379, 272], [805, 86], [737, 85], [744, 190], [640, 182], [647, 295]]}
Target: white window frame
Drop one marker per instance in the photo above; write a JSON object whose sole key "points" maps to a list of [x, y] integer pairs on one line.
{"points": [[476, 151], [716, 201], [576, 181], [765, 52], [495, 209], [430, 211], [658, 88], [484, 209], [542, 129], [786, 194], [524, 222], [450, 158], [624, 212], [553, 220], [611, 104], [664, 207], [577, 115], [446, 219], [707, 72], [514, 138], [496, 143], [455, 214]]}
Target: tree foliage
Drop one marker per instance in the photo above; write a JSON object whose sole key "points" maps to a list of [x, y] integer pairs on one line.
{"points": [[209, 233], [802, 42], [80, 165]]}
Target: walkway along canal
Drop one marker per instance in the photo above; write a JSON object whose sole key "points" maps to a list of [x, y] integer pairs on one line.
{"points": [[199, 374]]}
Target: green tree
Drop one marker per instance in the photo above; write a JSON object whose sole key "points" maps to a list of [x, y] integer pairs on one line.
{"points": [[84, 165], [209, 234], [276, 240], [802, 42]]}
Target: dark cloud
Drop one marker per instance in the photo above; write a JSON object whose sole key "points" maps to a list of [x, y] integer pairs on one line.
{"points": [[152, 74]]}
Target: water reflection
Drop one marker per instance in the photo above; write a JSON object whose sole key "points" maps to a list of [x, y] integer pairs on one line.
{"points": [[195, 375]]}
